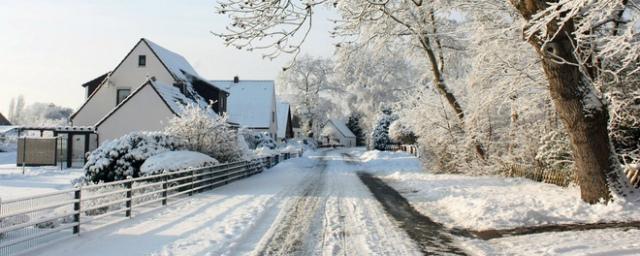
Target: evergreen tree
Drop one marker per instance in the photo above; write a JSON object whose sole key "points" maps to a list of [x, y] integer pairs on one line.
{"points": [[380, 135], [354, 125]]}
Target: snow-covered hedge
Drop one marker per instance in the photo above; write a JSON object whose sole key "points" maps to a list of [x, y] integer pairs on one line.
{"points": [[175, 161], [121, 158]]}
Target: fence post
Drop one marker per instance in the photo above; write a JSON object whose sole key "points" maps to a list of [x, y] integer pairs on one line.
{"points": [[128, 204], [164, 190], [193, 177], [76, 208]]}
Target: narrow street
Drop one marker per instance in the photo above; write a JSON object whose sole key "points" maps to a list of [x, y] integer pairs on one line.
{"points": [[315, 205]]}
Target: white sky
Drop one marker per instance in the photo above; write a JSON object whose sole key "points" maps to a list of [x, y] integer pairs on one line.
{"points": [[49, 48]]}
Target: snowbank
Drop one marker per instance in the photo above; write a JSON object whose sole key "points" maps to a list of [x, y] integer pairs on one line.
{"points": [[496, 202], [175, 161], [387, 162]]}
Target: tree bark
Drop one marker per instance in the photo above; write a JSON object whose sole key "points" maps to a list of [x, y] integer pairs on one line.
{"points": [[583, 113]]}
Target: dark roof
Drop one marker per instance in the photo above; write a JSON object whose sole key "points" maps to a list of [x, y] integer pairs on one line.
{"points": [[3, 120], [96, 81]]}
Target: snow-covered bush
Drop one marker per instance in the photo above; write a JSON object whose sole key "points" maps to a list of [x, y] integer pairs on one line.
{"points": [[207, 133], [175, 161], [624, 126], [121, 158], [264, 140], [380, 135], [555, 151], [401, 133]]}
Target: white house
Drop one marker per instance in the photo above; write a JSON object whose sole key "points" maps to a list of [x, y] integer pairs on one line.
{"points": [[251, 104], [285, 126], [148, 87], [336, 133]]}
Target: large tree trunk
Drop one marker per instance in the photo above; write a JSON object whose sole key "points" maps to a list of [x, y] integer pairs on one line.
{"points": [[582, 112]]}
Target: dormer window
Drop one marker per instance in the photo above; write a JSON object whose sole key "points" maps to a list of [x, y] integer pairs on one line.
{"points": [[142, 60]]}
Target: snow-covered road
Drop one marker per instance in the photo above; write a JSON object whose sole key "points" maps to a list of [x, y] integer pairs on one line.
{"points": [[315, 205]]}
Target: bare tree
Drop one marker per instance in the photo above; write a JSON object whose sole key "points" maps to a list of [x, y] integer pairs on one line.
{"points": [[283, 25]]}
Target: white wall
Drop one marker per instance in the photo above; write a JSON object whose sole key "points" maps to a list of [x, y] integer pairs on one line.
{"points": [[127, 75], [144, 112], [273, 129]]}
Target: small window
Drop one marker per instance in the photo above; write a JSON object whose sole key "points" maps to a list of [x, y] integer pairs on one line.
{"points": [[122, 94], [142, 60]]}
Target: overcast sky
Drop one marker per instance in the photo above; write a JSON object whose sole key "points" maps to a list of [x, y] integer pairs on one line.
{"points": [[49, 48]]}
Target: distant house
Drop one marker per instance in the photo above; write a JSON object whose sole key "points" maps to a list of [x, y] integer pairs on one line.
{"points": [[4, 121], [336, 133], [285, 124], [251, 104], [147, 88]]}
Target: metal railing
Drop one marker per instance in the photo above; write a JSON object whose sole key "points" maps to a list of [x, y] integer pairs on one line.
{"points": [[31, 222]]}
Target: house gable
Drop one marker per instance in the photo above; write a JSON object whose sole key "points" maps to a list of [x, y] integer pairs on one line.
{"points": [[127, 75], [144, 110]]}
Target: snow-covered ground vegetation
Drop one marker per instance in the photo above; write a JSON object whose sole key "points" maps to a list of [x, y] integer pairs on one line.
{"points": [[121, 158], [206, 132]]}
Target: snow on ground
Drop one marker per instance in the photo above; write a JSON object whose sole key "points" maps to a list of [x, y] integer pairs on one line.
{"points": [[496, 202], [481, 203], [592, 242], [175, 160], [34, 181], [304, 206]]}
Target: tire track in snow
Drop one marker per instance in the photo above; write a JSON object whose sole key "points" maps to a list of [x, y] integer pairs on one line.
{"points": [[291, 234], [334, 214]]}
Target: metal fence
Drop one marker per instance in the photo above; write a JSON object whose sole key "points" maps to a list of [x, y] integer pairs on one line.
{"points": [[29, 223]]}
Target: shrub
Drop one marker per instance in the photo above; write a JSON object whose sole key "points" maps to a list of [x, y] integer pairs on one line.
{"points": [[208, 133], [121, 158], [401, 133]]}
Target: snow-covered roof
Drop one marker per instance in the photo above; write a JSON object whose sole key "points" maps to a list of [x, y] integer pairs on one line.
{"points": [[250, 101], [342, 128], [282, 114], [7, 128], [173, 61]]}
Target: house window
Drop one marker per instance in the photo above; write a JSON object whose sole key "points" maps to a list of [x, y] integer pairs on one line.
{"points": [[142, 60], [122, 94], [273, 117]]}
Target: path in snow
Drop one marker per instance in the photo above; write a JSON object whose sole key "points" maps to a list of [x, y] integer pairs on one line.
{"points": [[315, 205]]}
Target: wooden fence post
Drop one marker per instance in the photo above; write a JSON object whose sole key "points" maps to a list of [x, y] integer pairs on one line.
{"points": [[165, 186], [193, 177], [76, 208], [129, 203]]}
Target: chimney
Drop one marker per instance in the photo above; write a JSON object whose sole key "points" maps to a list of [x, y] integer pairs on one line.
{"points": [[236, 79]]}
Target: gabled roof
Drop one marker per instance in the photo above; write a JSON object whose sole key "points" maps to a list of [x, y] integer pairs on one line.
{"points": [[283, 116], [175, 63], [3, 120], [342, 128], [250, 101], [173, 99]]}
